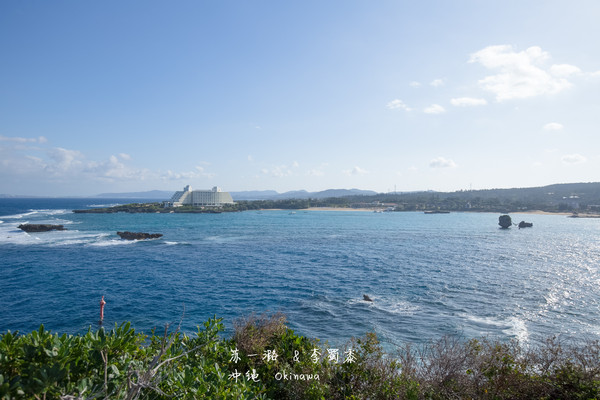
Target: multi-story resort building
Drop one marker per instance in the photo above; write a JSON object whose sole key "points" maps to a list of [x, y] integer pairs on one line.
{"points": [[200, 198]]}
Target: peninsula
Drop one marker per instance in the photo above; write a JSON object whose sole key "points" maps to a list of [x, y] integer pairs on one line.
{"points": [[580, 198]]}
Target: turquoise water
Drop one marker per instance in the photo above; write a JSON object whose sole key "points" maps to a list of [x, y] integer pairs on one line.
{"points": [[428, 275]]}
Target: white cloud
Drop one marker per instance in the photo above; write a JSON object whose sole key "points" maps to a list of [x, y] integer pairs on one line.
{"points": [[415, 84], [295, 164], [434, 109], [39, 139], [442, 162], [315, 172], [573, 159], [62, 165], [355, 171], [397, 104], [65, 160], [564, 70], [553, 126], [279, 171], [318, 171], [197, 173], [521, 74], [111, 170], [437, 82], [114, 169], [467, 102], [250, 158]]}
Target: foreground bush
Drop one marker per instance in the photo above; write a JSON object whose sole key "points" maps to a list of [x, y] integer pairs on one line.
{"points": [[266, 360]]}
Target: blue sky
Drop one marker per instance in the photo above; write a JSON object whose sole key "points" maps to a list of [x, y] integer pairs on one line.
{"points": [[119, 96]]}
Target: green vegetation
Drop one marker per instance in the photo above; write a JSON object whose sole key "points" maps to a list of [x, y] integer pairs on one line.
{"points": [[581, 197], [159, 208], [288, 204], [571, 197], [123, 364], [134, 208]]}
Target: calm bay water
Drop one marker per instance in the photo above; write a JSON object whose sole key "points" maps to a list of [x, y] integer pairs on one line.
{"points": [[428, 275]]}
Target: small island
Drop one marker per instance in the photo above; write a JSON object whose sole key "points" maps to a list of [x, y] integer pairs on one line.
{"points": [[138, 235], [505, 221], [159, 208], [41, 227]]}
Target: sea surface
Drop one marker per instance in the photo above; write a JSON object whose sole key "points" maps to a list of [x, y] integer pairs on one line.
{"points": [[429, 275]]}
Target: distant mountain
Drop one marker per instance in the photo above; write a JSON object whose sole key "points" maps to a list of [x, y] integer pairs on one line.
{"points": [[342, 193], [254, 195], [151, 194], [584, 196], [19, 196], [247, 195], [299, 194]]}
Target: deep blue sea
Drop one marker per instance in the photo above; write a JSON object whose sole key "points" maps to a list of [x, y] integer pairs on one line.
{"points": [[429, 275]]}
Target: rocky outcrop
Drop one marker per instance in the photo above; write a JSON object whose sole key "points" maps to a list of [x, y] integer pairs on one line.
{"points": [[524, 224], [41, 227], [138, 235], [505, 221]]}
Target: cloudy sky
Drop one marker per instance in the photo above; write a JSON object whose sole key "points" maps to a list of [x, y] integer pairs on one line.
{"points": [[119, 96]]}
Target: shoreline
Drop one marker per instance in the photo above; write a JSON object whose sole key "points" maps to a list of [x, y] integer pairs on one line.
{"points": [[340, 209], [537, 212], [529, 212]]}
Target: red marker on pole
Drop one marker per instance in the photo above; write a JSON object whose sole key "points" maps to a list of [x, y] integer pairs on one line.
{"points": [[102, 303]]}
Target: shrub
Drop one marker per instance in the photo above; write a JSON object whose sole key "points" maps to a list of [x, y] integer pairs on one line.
{"points": [[123, 364]]}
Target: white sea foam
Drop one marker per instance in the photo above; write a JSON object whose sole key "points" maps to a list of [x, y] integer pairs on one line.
{"points": [[397, 307], [112, 242], [486, 323], [352, 302], [36, 213], [19, 216], [386, 304], [11, 234], [223, 239], [52, 212], [518, 329], [171, 243], [66, 222], [69, 242], [15, 237], [512, 326], [75, 237]]}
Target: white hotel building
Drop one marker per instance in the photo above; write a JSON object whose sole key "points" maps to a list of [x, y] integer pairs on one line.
{"points": [[211, 198]]}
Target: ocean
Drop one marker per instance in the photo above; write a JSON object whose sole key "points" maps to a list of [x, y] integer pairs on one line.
{"points": [[428, 275]]}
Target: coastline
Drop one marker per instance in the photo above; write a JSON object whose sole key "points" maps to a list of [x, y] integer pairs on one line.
{"points": [[540, 212], [340, 209], [567, 214], [532, 212]]}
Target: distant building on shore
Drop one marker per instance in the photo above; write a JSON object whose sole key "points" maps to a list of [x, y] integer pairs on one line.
{"points": [[199, 198]]}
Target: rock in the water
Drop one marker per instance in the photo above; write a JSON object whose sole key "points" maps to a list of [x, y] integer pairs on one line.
{"points": [[367, 298], [41, 227], [524, 224], [138, 235], [504, 221]]}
